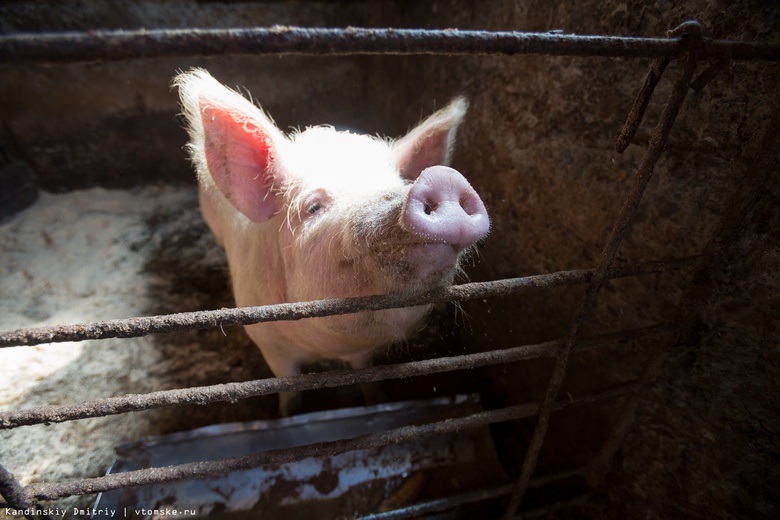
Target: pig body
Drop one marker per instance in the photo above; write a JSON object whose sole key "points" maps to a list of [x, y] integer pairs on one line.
{"points": [[325, 214]]}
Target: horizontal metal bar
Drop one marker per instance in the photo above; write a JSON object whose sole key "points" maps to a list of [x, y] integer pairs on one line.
{"points": [[112, 45], [232, 392], [550, 510], [451, 502], [441, 504], [55, 490], [537, 482], [142, 326]]}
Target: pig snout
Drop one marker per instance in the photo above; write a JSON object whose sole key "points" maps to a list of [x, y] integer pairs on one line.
{"points": [[443, 208]]}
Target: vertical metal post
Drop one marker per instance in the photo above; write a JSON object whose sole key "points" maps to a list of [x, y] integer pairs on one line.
{"points": [[16, 496], [702, 286], [693, 32]]}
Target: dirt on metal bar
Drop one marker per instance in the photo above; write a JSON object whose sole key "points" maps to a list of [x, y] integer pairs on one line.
{"points": [[640, 104], [52, 491], [709, 74], [16, 495], [441, 504], [113, 45], [55, 490], [232, 392], [142, 326]]}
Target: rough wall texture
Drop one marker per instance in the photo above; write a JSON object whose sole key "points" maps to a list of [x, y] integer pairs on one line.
{"points": [[538, 146], [115, 125]]}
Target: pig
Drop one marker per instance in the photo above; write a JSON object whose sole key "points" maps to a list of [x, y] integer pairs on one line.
{"points": [[321, 213]]}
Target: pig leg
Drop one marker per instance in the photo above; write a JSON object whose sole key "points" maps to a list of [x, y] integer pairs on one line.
{"points": [[372, 392], [290, 403]]}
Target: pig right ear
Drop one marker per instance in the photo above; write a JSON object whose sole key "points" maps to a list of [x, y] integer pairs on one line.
{"points": [[431, 142], [233, 144]]}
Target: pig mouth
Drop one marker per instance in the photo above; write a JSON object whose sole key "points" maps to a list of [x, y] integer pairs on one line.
{"points": [[439, 255], [422, 263]]}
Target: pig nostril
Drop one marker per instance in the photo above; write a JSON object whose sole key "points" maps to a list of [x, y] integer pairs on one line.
{"points": [[441, 207], [469, 206]]}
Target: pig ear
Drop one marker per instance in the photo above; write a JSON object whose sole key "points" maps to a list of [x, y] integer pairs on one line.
{"points": [[233, 144], [431, 142]]}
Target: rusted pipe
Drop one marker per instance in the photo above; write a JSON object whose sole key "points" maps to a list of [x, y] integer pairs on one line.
{"points": [[55, 490], [113, 45], [17, 497], [641, 102], [142, 326], [235, 391]]}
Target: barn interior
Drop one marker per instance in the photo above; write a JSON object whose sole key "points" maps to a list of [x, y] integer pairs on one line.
{"points": [[100, 220]]}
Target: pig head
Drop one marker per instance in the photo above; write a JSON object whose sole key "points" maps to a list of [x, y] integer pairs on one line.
{"points": [[325, 214]]}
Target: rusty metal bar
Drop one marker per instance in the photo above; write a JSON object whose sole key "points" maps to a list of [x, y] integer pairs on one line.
{"points": [[236, 391], [546, 511], [51, 491], [693, 31], [640, 104], [142, 326], [576, 472], [454, 501], [113, 45], [441, 504], [709, 74], [56, 490], [701, 289], [449, 503], [17, 496]]}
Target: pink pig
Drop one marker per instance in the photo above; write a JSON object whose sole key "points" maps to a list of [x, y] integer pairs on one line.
{"points": [[326, 214]]}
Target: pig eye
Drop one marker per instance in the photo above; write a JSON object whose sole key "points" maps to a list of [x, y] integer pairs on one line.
{"points": [[314, 202]]}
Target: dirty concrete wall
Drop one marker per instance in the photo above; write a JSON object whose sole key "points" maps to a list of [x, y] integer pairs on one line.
{"points": [[538, 145], [114, 124]]}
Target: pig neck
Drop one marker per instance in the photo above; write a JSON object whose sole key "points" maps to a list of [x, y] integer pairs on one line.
{"points": [[253, 252], [256, 267]]}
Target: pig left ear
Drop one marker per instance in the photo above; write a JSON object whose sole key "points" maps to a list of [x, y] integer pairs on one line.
{"points": [[235, 147], [431, 142]]}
